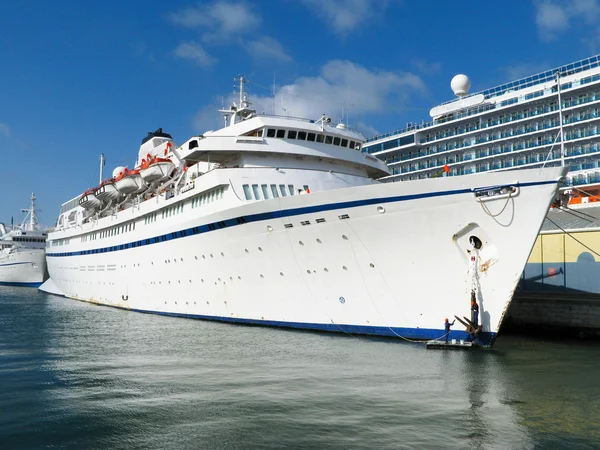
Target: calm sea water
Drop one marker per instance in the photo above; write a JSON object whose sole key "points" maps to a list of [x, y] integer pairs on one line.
{"points": [[75, 375]]}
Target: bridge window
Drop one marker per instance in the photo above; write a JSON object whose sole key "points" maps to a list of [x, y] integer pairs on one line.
{"points": [[280, 133], [320, 138], [270, 132], [344, 142], [282, 189], [256, 191], [292, 134], [311, 137], [302, 135], [336, 141], [328, 139], [274, 191]]}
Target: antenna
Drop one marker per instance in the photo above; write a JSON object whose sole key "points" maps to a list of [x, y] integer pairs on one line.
{"points": [[560, 119], [273, 102], [102, 164]]}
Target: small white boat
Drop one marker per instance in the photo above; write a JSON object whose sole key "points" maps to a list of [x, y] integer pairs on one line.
{"points": [[130, 182], [157, 169], [89, 200], [107, 191]]}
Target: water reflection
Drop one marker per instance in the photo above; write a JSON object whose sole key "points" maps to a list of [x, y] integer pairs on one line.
{"points": [[90, 376]]}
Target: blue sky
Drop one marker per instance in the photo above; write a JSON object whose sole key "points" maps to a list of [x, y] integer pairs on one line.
{"points": [[80, 78]]}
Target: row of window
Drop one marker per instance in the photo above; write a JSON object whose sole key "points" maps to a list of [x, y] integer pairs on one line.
{"points": [[567, 102], [574, 133], [215, 194], [113, 231], [57, 242], [172, 210], [208, 197], [20, 239], [574, 150], [265, 191], [313, 137]]}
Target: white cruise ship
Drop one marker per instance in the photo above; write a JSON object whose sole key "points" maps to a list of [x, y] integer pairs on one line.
{"points": [[23, 251], [279, 221], [546, 119]]}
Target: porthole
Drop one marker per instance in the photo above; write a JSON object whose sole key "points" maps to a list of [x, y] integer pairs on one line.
{"points": [[319, 241], [269, 228], [300, 242], [196, 257], [211, 255], [239, 278], [261, 275], [344, 237], [380, 209], [203, 257], [201, 279], [308, 272], [231, 278], [222, 254], [260, 249], [281, 273], [372, 265], [344, 267], [326, 269], [246, 250]]}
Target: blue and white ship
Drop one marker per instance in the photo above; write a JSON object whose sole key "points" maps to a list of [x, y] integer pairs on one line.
{"points": [[23, 251], [280, 221]]}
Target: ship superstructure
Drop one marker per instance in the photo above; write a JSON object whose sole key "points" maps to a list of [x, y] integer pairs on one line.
{"points": [[280, 221], [515, 125], [23, 251]]}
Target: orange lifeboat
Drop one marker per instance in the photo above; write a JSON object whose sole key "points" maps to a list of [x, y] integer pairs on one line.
{"points": [[156, 169]]}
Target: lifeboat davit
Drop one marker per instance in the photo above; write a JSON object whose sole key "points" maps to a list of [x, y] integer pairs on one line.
{"points": [[156, 169], [88, 199], [107, 191], [130, 182]]}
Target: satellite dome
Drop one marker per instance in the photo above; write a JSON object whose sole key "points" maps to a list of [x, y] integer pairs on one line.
{"points": [[460, 84], [118, 171]]}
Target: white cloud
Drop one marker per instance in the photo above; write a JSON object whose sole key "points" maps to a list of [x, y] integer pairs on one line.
{"points": [[267, 48], [345, 16], [194, 52], [4, 129], [426, 68], [218, 21], [517, 71], [553, 17], [342, 88]]}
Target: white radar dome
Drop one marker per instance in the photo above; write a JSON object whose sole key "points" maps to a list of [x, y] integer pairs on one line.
{"points": [[460, 84], [117, 171]]}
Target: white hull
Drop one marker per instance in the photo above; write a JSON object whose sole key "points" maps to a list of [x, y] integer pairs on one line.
{"points": [[397, 266], [159, 171], [23, 266]]}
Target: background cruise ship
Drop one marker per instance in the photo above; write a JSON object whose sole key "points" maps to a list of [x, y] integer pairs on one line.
{"points": [[516, 124], [22, 251]]}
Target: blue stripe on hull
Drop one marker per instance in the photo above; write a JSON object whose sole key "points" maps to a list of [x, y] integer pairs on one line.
{"points": [[485, 339], [10, 283], [275, 214]]}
